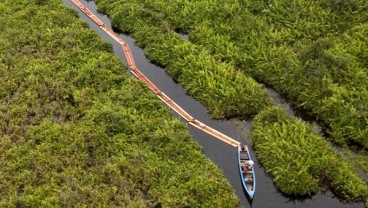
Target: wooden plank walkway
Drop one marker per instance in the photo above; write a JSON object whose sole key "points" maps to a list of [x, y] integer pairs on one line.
{"points": [[139, 75]]}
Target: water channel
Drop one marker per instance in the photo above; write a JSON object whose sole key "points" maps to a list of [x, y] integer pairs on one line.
{"points": [[222, 154]]}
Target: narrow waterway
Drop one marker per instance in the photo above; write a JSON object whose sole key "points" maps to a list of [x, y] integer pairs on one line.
{"points": [[278, 99], [222, 154]]}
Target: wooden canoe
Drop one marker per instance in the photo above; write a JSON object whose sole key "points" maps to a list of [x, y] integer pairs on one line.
{"points": [[247, 175]]}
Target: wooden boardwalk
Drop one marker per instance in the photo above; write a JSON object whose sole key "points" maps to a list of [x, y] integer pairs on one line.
{"points": [[139, 75]]}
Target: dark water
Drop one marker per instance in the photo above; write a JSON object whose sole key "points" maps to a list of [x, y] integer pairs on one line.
{"points": [[279, 100], [224, 155]]}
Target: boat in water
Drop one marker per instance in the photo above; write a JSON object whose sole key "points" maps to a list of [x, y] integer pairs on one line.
{"points": [[246, 170]]}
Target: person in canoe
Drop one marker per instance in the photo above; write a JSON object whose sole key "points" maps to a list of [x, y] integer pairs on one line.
{"points": [[249, 164]]}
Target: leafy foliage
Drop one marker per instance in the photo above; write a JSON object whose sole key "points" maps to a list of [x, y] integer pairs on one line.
{"points": [[225, 92], [299, 160], [76, 131], [314, 52]]}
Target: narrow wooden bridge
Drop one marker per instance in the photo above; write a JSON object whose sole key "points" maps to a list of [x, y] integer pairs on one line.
{"points": [[139, 75]]}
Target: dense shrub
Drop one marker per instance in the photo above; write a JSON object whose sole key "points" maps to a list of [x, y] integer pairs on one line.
{"points": [[76, 131], [312, 51], [299, 161], [217, 85]]}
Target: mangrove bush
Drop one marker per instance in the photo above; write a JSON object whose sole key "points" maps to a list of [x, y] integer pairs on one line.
{"points": [[312, 51], [301, 162], [77, 131], [225, 92]]}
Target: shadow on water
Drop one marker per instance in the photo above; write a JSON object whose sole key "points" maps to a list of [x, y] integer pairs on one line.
{"points": [[224, 155]]}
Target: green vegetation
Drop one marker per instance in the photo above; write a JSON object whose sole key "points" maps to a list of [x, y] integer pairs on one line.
{"points": [[299, 161], [314, 52], [225, 92], [76, 131]]}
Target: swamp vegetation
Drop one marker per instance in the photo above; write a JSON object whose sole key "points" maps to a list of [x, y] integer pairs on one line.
{"points": [[300, 161], [77, 131], [314, 52]]}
